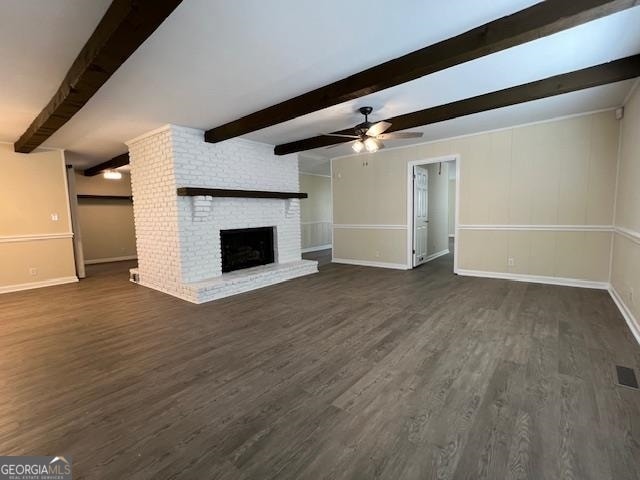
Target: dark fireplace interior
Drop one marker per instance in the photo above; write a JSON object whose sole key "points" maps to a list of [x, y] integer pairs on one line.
{"points": [[246, 247]]}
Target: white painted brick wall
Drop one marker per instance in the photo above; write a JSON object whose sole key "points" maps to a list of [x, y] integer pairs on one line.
{"points": [[178, 238]]}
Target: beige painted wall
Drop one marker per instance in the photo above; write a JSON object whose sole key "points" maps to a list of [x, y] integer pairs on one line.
{"points": [[98, 185], [452, 205], [438, 208], [574, 255], [555, 173], [32, 188], [315, 211], [107, 226], [625, 273]]}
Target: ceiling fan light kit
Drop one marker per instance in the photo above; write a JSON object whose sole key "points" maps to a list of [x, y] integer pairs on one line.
{"points": [[368, 136], [371, 144]]}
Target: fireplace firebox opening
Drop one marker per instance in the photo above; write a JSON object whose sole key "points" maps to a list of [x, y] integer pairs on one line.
{"points": [[246, 248]]}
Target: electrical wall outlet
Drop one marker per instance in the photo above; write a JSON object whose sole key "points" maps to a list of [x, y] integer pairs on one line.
{"points": [[377, 254], [54, 217], [33, 271], [511, 261]]}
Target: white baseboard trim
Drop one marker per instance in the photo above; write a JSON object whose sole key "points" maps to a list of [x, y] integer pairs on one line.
{"points": [[518, 277], [452, 236], [367, 263], [632, 322], [44, 283], [112, 259], [433, 256], [315, 249]]}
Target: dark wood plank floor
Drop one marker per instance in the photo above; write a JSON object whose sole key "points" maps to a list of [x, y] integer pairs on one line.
{"points": [[323, 257], [353, 373]]}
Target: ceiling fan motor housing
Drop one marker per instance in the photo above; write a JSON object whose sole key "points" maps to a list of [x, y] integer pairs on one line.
{"points": [[361, 129]]}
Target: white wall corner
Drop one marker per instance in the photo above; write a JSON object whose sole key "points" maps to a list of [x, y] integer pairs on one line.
{"points": [[632, 321]]}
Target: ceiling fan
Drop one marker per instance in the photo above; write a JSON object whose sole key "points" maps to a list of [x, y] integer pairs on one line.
{"points": [[369, 135]]}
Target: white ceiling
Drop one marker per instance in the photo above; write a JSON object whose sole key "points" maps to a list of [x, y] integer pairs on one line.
{"points": [[39, 40], [213, 61], [590, 100]]}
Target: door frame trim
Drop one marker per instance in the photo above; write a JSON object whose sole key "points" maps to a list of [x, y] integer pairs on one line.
{"points": [[410, 233]]}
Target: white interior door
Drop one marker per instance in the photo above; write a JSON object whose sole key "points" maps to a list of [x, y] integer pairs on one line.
{"points": [[420, 214]]}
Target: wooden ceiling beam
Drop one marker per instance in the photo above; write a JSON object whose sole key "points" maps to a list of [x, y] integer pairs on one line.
{"points": [[611, 72], [115, 162], [540, 20], [124, 27]]}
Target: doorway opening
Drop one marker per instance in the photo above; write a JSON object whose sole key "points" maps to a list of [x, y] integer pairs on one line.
{"points": [[432, 206], [103, 223]]}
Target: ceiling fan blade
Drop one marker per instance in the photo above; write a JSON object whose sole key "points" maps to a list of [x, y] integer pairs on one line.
{"points": [[339, 135], [399, 135], [336, 145], [378, 128]]}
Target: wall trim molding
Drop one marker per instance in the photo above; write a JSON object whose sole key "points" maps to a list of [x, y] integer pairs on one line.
{"points": [[451, 235], [35, 236], [44, 283], [628, 233], [317, 248], [552, 228], [315, 174], [632, 322], [367, 263], [634, 87], [110, 259], [518, 277], [433, 256], [369, 227]]}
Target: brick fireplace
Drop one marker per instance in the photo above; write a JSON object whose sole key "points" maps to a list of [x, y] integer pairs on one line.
{"points": [[179, 237]]}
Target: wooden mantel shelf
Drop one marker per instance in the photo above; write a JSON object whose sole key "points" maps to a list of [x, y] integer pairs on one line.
{"points": [[221, 192]]}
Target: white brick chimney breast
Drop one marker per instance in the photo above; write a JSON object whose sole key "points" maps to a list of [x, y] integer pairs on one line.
{"points": [[178, 237]]}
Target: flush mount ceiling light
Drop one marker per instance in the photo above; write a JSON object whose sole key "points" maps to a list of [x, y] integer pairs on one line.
{"points": [[112, 175]]}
